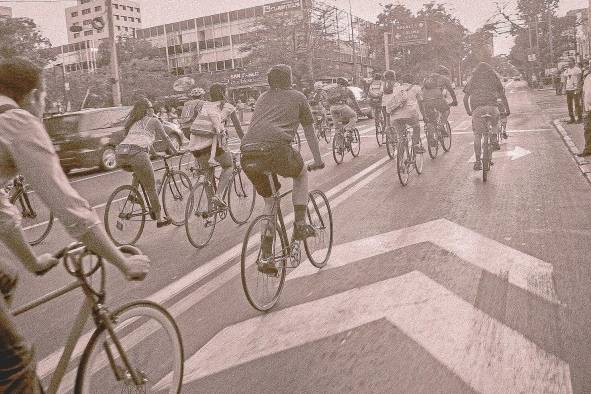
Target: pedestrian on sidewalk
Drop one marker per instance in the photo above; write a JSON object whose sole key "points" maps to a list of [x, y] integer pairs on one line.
{"points": [[574, 82], [587, 108]]}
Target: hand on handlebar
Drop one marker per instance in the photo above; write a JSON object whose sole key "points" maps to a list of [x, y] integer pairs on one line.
{"points": [[136, 267], [45, 263], [315, 166]]}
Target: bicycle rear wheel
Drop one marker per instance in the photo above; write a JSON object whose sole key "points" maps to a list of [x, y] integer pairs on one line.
{"points": [[175, 191], [485, 157], [379, 130], [445, 137], [37, 219], [199, 220], [355, 142], [152, 343], [296, 143], [262, 289], [125, 215], [391, 142], [319, 216], [338, 147], [241, 198], [432, 143], [403, 162], [418, 160], [326, 132]]}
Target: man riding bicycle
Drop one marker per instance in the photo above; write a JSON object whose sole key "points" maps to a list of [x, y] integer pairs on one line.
{"points": [[480, 100], [191, 109], [339, 97], [266, 147], [317, 100], [433, 94], [375, 93], [403, 108]]}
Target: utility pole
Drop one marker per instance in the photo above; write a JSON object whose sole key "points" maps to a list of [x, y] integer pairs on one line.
{"points": [[116, 87], [387, 49], [353, 43], [551, 39]]}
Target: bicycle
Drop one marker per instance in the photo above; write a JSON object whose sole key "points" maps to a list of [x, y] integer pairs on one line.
{"points": [[391, 141], [111, 361], [202, 215], [263, 290], [486, 151], [380, 125], [126, 210], [345, 141], [36, 222], [438, 133], [322, 127], [407, 156]]}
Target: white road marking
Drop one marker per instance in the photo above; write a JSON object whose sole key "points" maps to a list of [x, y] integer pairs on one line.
{"points": [[487, 355], [522, 270], [516, 153], [508, 131]]}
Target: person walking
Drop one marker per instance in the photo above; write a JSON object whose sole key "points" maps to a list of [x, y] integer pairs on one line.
{"points": [[587, 108], [573, 85]]}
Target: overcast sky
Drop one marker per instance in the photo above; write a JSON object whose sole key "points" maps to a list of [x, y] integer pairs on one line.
{"points": [[50, 16]]}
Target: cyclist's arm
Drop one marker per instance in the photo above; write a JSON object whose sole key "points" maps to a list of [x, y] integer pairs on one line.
{"points": [[237, 125], [307, 122], [353, 100], [467, 104]]}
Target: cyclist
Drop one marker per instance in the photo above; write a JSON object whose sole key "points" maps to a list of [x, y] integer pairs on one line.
{"points": [[317, 100], [389, 85], [339, 96], [191, 109], [25, 148], [503, 118], [133, 153], [403, 109], [480, 98], [267, 147], [209, 138], [433, 94], [375, 93]]}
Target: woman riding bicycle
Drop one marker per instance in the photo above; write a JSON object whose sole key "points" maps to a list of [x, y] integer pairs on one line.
{"points": [[208, 133], [133, 153]]}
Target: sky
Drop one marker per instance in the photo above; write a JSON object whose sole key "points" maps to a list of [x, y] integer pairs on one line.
{"points": [[49, 15]]}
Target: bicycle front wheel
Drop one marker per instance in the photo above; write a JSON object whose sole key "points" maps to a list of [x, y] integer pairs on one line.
{"points": [[37, 219], [199, 220], [379, 130], [326, 132], [263, 246], [319, 216], [445, 137], [432, 143], [390, 142], [241, 198], [125, 215], [151, 343], [338, 147], [403, 162], [356, 142], [175, 192]]}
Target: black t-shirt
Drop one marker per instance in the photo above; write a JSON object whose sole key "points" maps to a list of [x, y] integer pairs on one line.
{"points": [[484, 92]]}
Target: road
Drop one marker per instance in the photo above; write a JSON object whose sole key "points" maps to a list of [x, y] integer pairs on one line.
{"points": [[447, 285]]}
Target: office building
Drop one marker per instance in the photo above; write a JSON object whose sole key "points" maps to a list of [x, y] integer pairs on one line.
{"points": [[6, 11]]}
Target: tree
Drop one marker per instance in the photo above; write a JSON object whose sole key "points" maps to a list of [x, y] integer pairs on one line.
{"points": [[21, 37], [128, 48]]}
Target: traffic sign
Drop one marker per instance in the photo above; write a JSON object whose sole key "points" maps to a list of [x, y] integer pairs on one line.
{"points": [[414, 33]]}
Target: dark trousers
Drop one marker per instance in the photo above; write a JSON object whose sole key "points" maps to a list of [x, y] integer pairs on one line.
{"points": [[587, 128], [572, 96]]}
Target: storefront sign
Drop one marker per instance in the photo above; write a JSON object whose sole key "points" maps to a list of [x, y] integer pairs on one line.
{"points": [[282, 6], [245, 78]]}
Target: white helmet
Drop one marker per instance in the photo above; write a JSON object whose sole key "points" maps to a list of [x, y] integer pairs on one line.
{"points": [[318, 85], [197, 92]]}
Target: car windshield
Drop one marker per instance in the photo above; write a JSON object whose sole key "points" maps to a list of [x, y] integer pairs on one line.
{"points": [[61, 125]]}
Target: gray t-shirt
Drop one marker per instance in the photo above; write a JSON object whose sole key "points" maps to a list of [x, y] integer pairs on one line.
{"points": [[277, 116]]}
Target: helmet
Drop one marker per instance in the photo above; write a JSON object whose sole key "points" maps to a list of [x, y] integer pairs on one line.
{"points": [[197, 92], [342, 81], [318, 85], [442, 70], [389, 74]]}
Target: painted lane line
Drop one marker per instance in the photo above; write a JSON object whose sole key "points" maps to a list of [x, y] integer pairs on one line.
{"points": [[484, 353], [48, 364], [521, 270], [508, 131]]}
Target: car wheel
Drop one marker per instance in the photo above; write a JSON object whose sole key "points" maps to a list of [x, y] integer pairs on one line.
{"points": [[108, 159]]}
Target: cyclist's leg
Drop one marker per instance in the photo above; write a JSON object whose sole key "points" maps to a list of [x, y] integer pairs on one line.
{"points": [[443, 109], [143, 171], [337, 119], [225, 160], [478, 127], [202, 160], [416, 129], [494, 111], [350, 116]]}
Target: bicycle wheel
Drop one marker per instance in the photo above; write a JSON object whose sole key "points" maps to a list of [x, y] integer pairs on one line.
{"points": [[432, 143], [241, 198], [151, 342], [419, 161], [175, 191], [445, 137], [391, 142], [379, 130], [262, 290], [319, 216], [485, 157], [338, 147], [199, 221], [326, 132], [37, 219], [125, 215], [296, 143], [355, 143], [402, 162]]}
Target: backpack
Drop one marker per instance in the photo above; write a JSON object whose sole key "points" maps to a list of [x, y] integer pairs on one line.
{"points": [[375, 89], [336, 95], [190, 110], [398, 100], [389, 87]]}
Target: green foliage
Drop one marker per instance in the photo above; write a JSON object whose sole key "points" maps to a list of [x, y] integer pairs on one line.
{"points": [[21, 37], [127, 49]]}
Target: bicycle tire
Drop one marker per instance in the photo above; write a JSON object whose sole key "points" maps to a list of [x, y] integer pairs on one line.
{"points": [[326, 130], [446, 140], [316, 201], [486, 158], [126, 317], [418, 160], [126, 191], [36, 237], [401, 162], [177, 185], [432, 143], [262, 221], [195, 221], [379, 131], [338, 149], [237, 187], [390, 143], [297, 142], [355, 139]]}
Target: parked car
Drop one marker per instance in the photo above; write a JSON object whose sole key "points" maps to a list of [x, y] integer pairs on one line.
{"points": [[88, 138]]}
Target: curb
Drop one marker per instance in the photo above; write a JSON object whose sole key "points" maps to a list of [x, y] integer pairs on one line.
{"points": [[583, 163]]}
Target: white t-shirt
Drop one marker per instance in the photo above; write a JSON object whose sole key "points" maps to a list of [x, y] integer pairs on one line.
{"points": [[573, 78], [208, 124]]}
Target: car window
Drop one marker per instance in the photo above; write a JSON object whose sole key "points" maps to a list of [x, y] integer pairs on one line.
{"points": [[103, 119], [61, 125]]}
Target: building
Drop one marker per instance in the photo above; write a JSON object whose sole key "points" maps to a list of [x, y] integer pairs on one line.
{"points": [[6, 11], [126, 20], [582, 37], [211, 43]]}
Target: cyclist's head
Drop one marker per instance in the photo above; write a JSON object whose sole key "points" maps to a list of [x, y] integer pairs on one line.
{"points": [[485, 74], [197, 93], [22, 81], [377, 76], [390, 75], [142, 107], [571, 62], [408, 78], [442, 70], [318, 85], [217, 92], [342, 81], [279, 77]]}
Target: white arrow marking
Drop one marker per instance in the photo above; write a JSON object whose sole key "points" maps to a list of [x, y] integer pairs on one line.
{"points": [[515, 153], [520, 269], [484, 353]]}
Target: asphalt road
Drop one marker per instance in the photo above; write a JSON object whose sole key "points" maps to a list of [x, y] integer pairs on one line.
{"points": [[447, 285]]}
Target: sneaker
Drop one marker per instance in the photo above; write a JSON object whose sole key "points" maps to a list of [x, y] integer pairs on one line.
{"points": [[478, 165], [265, 263], [303, 231], [505, 136], [419, 149], [164, 222]]}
